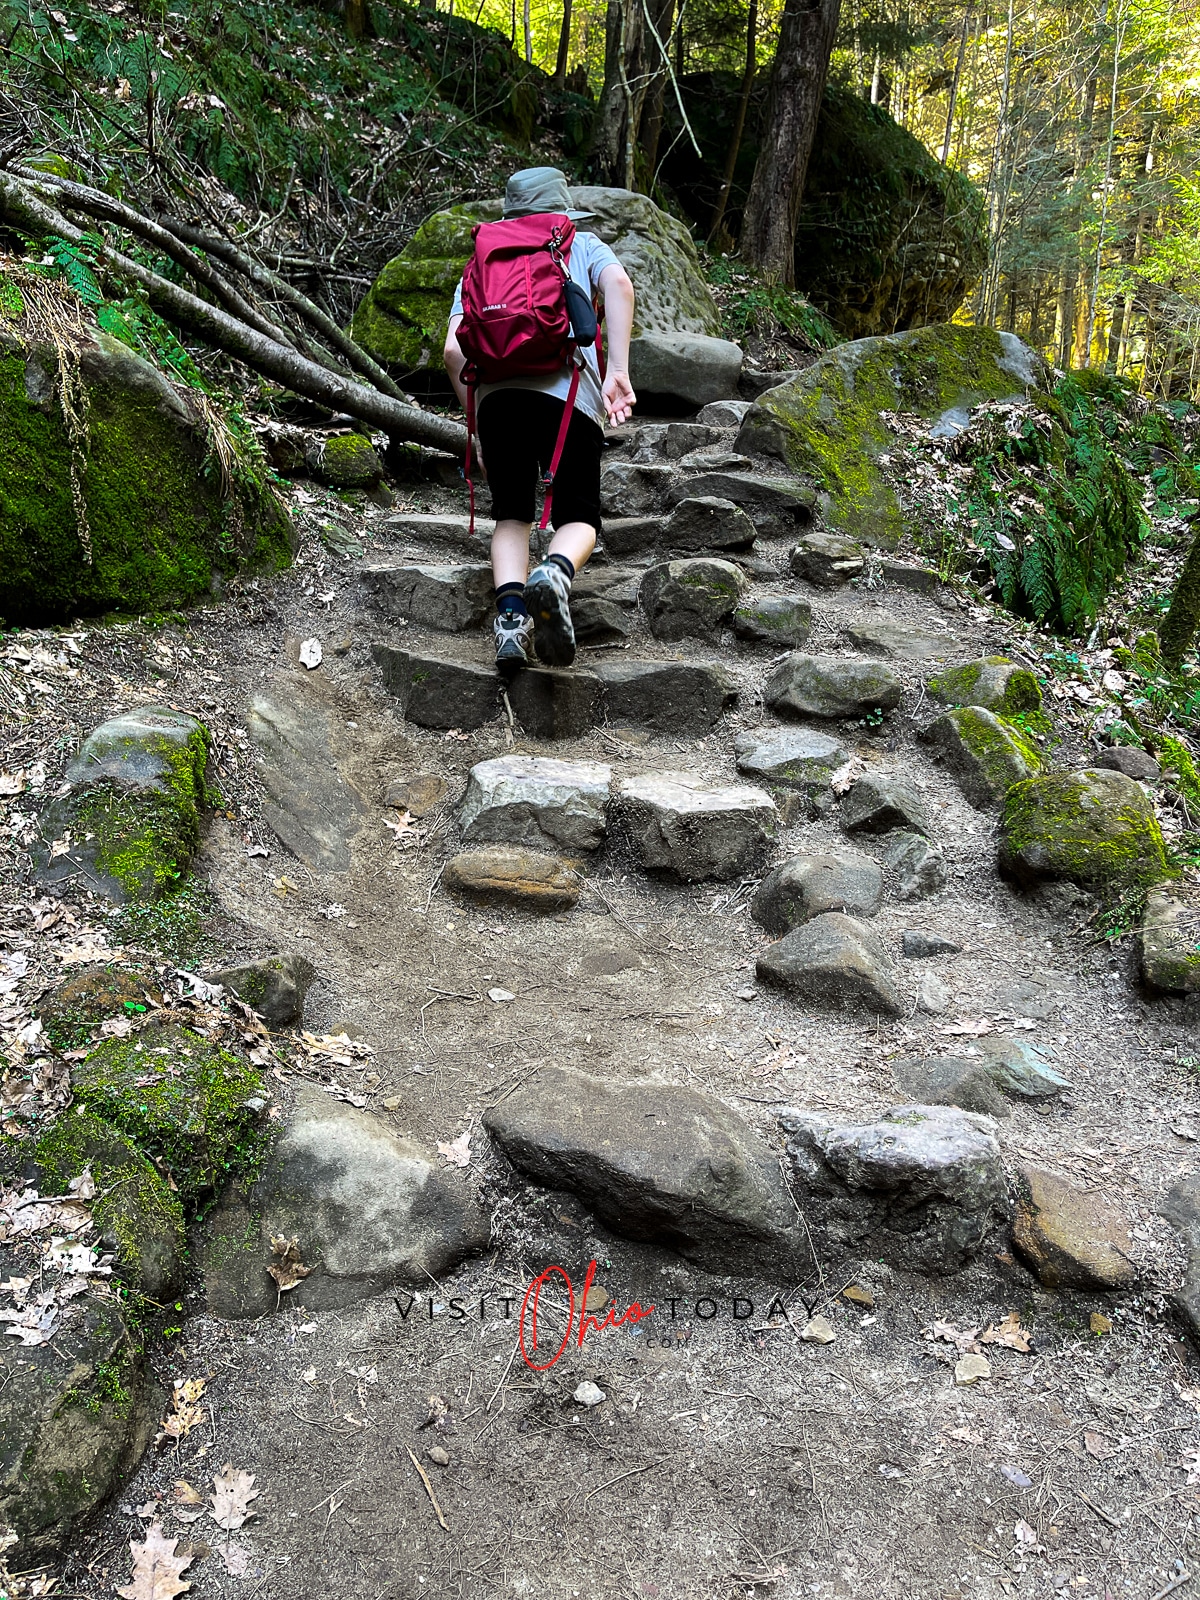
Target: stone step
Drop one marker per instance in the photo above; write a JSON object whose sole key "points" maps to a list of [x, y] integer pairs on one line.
{"points": [[655, 442], [774, 505], [440, 529], [449, 598], [698, 525], [669, 697]]}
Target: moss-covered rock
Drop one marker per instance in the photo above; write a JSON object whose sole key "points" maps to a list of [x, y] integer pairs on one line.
{"points": [[89, 997], [995, 683], [985, 754], [182, 1101], [1094, 827], [826, 423], [347, 461], [155, 522], [75, 1416], [401, 320], [135, 1213], [1170, 944], [130, 821]]}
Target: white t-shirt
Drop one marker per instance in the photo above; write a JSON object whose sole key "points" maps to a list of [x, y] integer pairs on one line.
{"points": [[589, 257]]}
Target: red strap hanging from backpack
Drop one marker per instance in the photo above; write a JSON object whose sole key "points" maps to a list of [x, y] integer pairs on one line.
{"points": [[559, 446]]}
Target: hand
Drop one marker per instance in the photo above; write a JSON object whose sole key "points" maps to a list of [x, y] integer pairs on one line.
{"points": [[619, 398]]}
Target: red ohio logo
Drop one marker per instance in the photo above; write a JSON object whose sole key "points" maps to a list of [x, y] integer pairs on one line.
{"points": [[586, 1323]]}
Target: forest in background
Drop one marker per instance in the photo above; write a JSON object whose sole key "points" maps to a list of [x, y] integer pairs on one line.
{"points": [[1077, 120]]}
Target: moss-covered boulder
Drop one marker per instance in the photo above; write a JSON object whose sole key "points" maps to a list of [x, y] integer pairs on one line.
{"points": [[91, 996], [401, 320], [135, 1214], [995, 683], [129, 823], [826, 423], [347, 461], [182, 1101], [1170, 944], [985, 754], [1094, 827], [76, 1414], [127, 508]]}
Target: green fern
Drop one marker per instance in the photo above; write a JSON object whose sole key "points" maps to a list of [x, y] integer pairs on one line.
{"points": [[76, 263]]}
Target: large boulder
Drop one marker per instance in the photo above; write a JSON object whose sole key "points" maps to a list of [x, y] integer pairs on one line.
{"points": [[1170, 943], [693, 598], [806, 886], [833, 960], [995, 683], [887, 236], [119, 510], [1094, 827], [367, 1208], [986, 754], [825, 423], [832, 686], [655, 1161], [920, 1188], [129, 822], [401, 320]]}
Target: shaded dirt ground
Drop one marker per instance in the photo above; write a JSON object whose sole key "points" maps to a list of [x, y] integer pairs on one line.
{"points": [[729, 1457]]}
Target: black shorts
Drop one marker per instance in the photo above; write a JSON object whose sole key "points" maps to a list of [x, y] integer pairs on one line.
{"points": [[517, 431]]}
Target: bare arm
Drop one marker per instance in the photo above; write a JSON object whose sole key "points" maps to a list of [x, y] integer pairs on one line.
{"points": [[619, 397], [455, 360]]}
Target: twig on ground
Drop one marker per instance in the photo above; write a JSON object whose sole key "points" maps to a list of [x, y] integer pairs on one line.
{"points": [[433, 1499]]}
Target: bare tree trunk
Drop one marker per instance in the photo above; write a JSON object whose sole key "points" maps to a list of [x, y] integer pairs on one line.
{"points": [[564, 45], [739, 126], [614, 133], [806, 35], [660, 15], [526, 22], [954, 83], [358, 20]]}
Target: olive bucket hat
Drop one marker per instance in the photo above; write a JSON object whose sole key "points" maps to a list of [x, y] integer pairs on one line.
{"points": [[539, 189]]}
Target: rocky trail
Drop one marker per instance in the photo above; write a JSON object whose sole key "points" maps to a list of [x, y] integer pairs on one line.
{"points": [[636, 964]]}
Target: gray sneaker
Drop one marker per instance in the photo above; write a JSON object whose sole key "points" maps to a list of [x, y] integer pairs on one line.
{"points": [[548, 596], [514, 635]]}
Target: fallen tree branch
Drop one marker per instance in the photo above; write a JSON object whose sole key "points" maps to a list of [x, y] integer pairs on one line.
{"points": [[354, 354], [22, 208]]}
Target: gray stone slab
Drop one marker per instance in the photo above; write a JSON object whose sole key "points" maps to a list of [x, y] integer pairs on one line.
{"points": [[537, 801], [437, 693], [308, 804], [665, 696], [448, 598], [694, 830]]}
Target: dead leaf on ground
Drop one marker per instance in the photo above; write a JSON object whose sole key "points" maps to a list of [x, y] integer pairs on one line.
{"points": [[1097, 1445], [961, 1338], [235, 1558], [234, 1491], [185, 1414], [287, 1268], [1010, 1333], [458, 1151], [156, 1568]]}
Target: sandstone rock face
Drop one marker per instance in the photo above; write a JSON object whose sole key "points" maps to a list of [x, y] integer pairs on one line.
{"points": [[537, 801], [691, 599], [130, 819], [919, 866], [921, 1187], [1072, 1237], [693, 830], [275, 986], [774, 619], [654, 1161], [1170, 943], [984, 754], [436, 693], [402, 319], [369, 1209], [877, 805], [807, 886], [516, 876], [825, 423], [831, 686], [692, 367], [448, 598], [159, 528], [833, 960], [826, 559], [995, 683], [1092, 826]]}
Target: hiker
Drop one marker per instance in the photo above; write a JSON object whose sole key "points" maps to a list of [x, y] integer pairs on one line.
{"points": [[521, 426]]}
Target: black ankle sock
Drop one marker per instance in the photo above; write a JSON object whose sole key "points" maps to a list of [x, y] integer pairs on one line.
{"points": [[565, 562], [511, 597]]}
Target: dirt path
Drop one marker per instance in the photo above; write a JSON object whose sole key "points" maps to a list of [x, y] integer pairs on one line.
{"points": [[728, 1456]]}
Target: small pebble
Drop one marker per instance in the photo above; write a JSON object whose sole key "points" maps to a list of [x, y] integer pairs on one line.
{"points": [[747, 993], [818, 1330], [971, 1368], [859, 1295], [437, 1455], [499, 996], [588, 1394], [1099, 1323]]}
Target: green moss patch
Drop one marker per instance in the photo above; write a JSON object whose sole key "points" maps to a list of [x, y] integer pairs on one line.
{"points": [[181, 1100], [1094, 827], [995, 683], [88, 998], [826, 423], [134, 1206], [348, 461], [401, 320]]}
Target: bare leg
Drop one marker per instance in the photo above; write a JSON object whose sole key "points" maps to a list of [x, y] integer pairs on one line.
{"points": [[510, 552], [575, 540]]}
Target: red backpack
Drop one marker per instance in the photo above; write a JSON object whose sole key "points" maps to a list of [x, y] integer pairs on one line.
{"points": [[516, 317]]}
